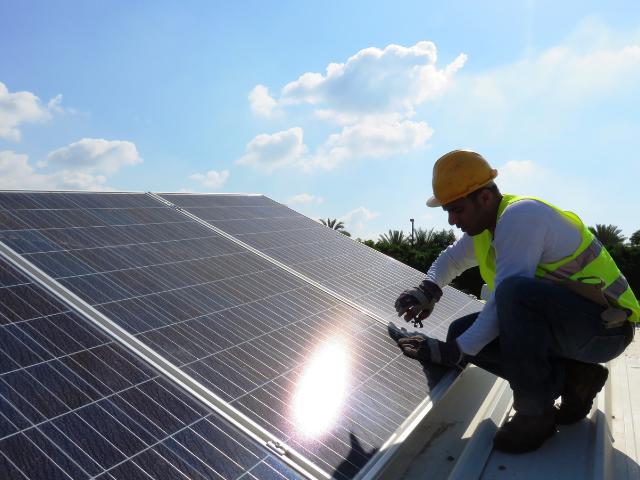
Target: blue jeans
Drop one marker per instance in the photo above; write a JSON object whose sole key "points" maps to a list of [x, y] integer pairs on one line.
{"points": [[541, 325]]}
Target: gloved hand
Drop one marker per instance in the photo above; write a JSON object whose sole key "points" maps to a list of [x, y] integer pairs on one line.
{"points": [[431, 350], [417, 303]]}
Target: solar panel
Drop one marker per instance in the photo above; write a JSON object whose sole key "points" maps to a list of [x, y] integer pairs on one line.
{"points": [[349, 268], [258, 337], [75, 404]]}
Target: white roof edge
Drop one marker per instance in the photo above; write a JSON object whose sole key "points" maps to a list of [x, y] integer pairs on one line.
{"points": [[10, 190], [19, 190], [238, 194]]}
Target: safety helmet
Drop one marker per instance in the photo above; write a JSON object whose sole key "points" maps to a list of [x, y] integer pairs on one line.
{"points": [[457, 174]]}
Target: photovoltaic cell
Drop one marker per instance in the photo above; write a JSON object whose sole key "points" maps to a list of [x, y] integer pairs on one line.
{"points": [[349, 268], [260, 338], [74, 404]]}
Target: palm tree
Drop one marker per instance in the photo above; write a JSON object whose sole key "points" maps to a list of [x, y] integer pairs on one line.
{"points": [[336, 225], [443, 238], [634, 240], [432, 238], [609, 235], [422, 237], [393, 237]]}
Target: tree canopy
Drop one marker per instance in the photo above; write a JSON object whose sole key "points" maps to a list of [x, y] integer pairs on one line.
{"points": [[393, 237], [609, 235], [336, 225]]}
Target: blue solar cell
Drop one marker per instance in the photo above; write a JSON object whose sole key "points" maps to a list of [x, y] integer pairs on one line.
{"points": [[29, 459], [84, 407], [238, 324], [56, 455], [348, 268]]}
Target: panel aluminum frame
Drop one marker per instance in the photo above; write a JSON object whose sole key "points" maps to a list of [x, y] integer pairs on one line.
{"points": [[148, 355]]}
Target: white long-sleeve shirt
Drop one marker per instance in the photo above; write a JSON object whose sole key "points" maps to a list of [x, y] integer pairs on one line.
{"points": [[528, 233]]}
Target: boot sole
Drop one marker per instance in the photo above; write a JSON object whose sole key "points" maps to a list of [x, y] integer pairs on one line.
{"points": [[514, 447]]}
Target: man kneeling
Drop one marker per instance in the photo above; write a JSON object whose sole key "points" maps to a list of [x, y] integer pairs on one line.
{"points": [[558, 304]]}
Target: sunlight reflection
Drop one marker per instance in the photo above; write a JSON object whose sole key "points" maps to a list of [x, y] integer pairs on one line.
{"points": [[322, 388]]}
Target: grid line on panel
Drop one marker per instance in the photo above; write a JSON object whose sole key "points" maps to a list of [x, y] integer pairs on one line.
{"points": [[180, 377], [270, 311], [283, 373], [177, 289], [27, 432], [299, 253], [248, 304], [276, 262], [380, 296], [178, 262]]}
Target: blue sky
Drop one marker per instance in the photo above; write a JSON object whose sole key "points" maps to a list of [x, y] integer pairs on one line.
{"points": [[338, 109]]}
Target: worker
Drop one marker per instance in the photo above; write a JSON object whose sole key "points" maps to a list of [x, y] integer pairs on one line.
{"points": [[558, 305]]}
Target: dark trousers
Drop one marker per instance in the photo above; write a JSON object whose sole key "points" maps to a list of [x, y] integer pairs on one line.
{"points": [[541, 325]]}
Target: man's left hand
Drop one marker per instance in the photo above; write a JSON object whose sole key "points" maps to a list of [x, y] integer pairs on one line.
{"points": [[428, 349]]}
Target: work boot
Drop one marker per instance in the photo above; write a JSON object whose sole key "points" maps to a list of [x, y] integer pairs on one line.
{"points": [[582, 383], [525, 433]]}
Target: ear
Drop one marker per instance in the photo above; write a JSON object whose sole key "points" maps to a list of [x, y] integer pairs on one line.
{"points": [[486, 197]]}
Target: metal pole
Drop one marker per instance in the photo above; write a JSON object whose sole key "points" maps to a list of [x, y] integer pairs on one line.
{"points": [[411, 220]]}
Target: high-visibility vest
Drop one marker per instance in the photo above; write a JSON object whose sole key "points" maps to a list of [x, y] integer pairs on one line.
{"points": [[590, 264]]}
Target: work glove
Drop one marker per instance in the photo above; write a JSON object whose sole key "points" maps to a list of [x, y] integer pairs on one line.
{"points": [[430, 350], [417, 303]]}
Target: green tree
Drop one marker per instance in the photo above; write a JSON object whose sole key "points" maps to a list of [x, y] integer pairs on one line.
{"points": [[634, 240], [393, 237], [422, 237], [627, 257], [432, 238], [336, 225], [609, 235], [443, 238]]}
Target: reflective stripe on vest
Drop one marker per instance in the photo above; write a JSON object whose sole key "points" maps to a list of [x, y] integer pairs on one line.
{"points": [[589, 264]]}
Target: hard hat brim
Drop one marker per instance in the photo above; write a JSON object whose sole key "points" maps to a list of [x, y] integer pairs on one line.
{"points": [[433, 202]]}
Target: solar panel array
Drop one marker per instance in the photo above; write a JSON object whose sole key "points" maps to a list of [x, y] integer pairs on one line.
{"points": [[258, 337], [324, 255], [75, 404]]}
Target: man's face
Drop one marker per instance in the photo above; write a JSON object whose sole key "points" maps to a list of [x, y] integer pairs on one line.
{"points": [[470, 216]]}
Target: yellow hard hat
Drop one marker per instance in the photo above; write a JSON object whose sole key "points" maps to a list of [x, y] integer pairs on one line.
{"points": [[457, 174]]}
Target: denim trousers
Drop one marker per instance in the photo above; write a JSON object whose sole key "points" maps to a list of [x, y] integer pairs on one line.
{"points": [[541, 327]]}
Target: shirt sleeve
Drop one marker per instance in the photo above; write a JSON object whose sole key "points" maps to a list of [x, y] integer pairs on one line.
{"points": [[453, 260], [518, 242]]}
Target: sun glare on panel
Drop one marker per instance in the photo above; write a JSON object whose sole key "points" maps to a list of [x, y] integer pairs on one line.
{"points": [[322, 388]]}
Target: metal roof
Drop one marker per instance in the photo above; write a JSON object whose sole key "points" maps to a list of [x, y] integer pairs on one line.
{"points": [[455, 440]]}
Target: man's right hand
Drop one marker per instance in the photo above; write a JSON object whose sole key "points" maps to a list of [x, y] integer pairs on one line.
{"points": [[417, 303]]}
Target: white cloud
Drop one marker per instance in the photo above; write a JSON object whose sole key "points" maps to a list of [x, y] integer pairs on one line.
{"points": [[77, 180], [373, 138], [19, 108], [269, 152], [17, 173], [593, 64], [526, 177], [371, 96], [559, 76], [522, 176], [360, 213], [356, 221], [262, 104], [375, 81], [84, 165], [53, 105], [212, 179], [304, 199], [96, 155]]}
